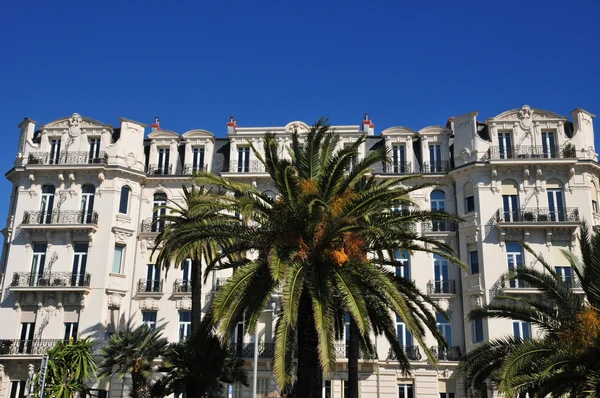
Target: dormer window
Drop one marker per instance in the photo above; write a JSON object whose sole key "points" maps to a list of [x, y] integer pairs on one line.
{"points": [[353, 158], [198, 158], [399, 165], [163, 166], [243, 165], [54, 151], [435, 158], [505, 145], [94, 152], [548, 144]]}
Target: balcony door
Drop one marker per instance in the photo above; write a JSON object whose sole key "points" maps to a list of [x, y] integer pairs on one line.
{"points": [[445, 328], [197, 158], [435, 158], [440, 270], [556, 201], [186, 273], [505, 148], [159, 203], [54, 151], [402, 264], [163, 161], [510, 201], [514, 258], [438, 203], [38, 262], [399, 159], [47, 204], [548, 144], [26, 337], [87, 203], [94, 152], [243, 165], [405, 337], [79, 264], [153, 278]]}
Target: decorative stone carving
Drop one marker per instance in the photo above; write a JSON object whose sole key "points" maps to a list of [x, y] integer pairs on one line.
{"points": [[443, 304], [526, 118], [475, 301], [74, 125], [130, 159], [296, 127], [471, 237], [149, 304], [121, 234], [444, 374], [115, 300], [184, 304]]}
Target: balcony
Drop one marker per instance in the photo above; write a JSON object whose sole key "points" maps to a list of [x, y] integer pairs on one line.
{"points": [[246, 350], [446, 354], [181, 286], [540, 216], [150, 286], [439, 226], [155, 170], [60, 220], [37, 347], [50, 281], [504, 285], [152, 225], [189, 169], [412, 352], [251, 167], [537, 152], [440, 166], [71, 158], [398, 168], [447, 287]]}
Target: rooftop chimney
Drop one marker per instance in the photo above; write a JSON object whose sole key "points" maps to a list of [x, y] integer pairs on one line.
{"points": [[368, 126], [231, 125], [156, 125]]}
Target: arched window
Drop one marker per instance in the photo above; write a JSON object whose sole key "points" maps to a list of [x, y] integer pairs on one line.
{"points": [[87, 203], [594, 197], [47, 204], [510, 201], [556, 201], [159, 210], [124, 199], [469, 197]]}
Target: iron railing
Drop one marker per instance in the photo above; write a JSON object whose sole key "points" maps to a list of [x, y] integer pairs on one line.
{"points": [[188, 169], [50, 279], [446, 354], [150, 286], [60, 217], [538, 215], [246, 350], [439, 226], [398, 168], [182, 286], [572, 282], [66, 157], [440, 166], [26, 347], [532, 152], [220, 282], [153, 224], [160, 170], [412, 352], [441, 287], [252, 166]]}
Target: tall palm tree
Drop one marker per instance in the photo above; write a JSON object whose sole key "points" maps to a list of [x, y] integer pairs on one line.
{"points": [[310, 243], [70, 366], [133, 352], [564, 360]]}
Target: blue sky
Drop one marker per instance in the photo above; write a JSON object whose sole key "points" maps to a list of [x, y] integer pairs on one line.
{"points": [[196, 63]]}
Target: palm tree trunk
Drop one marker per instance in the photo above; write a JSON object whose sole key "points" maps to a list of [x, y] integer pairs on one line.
{"points": [[140, 387], [309, 373], [196, 294], [353, 355]]}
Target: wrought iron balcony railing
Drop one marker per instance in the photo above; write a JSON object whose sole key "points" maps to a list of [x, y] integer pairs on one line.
{"points": [[440, 166], [441, 287], [160, 170], [26, 347], [252, 166], [188, 169], [67, 158], [532, 152], [538, 215], [246, 350], [150, 286], [153, 224], [446, 354], [60, 217], [50, 279], [182, 286], [439, 226], [398, 168], [412, 352], [572, 282]]}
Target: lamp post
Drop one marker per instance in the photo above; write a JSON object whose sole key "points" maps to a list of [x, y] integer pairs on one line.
{"points": [[255, 370]]}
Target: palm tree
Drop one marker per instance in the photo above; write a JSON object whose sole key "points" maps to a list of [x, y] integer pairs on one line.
{"points": [[564, 361], [133, 352], [310, 243], [70, 366], [200, 366]]}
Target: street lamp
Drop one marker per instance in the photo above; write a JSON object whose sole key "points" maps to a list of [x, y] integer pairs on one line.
{"points": [[272, 309]]}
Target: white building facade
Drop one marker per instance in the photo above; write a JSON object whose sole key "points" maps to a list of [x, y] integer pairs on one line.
{"points": [[77, 255]]}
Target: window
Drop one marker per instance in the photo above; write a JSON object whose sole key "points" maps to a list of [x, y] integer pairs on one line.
{"points": [[237, 390], [87, 204], [153, 278], [197, 158], [446, 395], [327, 388], [438, 203], [79, 263], [474, 262], [405, 337], [185, 324], [403, 268], [26, 337], [440, 270], [469, 197], [124, 199], [399, 165], [594, 198], [54, 151], [38, 261], [522, 330], [262, 386], [548, 144], [163, 166], [510, 201], [94, 152], [566, 274], [238, 338], [186, 273], [118, 259], [505, 145], [149, 319], [98, 393], [478, 331], [405, 391], [353, 158], [17, 388], [445, 328], [46, 204], [347, 328], [159, 203], [70, 331], [556, 202], [514, 258], [435, 159], [243, 165]]}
